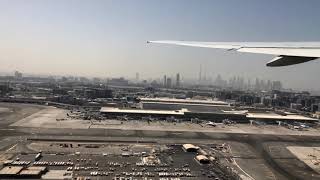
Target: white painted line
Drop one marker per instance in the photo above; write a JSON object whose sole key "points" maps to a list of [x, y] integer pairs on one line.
{"points": [[235, 162], [11, 148]]}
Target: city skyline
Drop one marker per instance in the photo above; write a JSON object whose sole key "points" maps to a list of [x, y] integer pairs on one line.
{"points": [[176, 81]]}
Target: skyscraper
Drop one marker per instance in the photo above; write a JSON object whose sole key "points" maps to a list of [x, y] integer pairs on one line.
{"points": [[178, 80], [17, 75], [276, 85], [165, 80], [219, 81], [137, 77], [169, 82], [200, 75], [257, 85]]}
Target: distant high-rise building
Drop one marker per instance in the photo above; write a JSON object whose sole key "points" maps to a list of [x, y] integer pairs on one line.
{"points": [[200, 74], [154, 83], [4, 88], [137, 77], [96, 80], [276, 85], [118, 81], [17, 75], [64, 79], [269, 85], [219, 81], [249, 84], [257, 85], [165, 80], [262, 85], [178, 80], [169, 82], [82, 79]]}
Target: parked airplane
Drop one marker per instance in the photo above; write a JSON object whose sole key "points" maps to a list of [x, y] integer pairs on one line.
{"points": [[288, 53]]}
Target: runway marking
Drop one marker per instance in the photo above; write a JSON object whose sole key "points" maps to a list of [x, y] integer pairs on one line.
{"points": [[235, 162], [12, 147]]}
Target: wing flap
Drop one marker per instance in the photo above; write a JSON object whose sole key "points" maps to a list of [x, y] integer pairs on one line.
{"points": [[305, 52]]}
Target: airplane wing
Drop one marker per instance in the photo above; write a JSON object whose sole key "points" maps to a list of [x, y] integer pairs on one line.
{"points": [[287, 53]]}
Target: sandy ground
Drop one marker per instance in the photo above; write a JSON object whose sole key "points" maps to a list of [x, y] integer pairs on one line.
{"points": [[309, 155], [50, 147], [47, 118], [238, 128], [4, 109], [44, 118]]}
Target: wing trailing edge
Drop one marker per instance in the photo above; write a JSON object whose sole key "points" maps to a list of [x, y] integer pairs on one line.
{"points": [[288, 53]]}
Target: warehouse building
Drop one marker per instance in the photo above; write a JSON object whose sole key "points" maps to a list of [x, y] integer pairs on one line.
{"points": [[22, 172], [10, 171], [33, 172]]}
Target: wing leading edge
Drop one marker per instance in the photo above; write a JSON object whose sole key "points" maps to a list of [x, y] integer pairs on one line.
{"points": [[288, 53]]}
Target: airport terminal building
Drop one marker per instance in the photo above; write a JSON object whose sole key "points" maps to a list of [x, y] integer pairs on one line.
{"points": [[188, 109], [190, 104], [183, 114]]}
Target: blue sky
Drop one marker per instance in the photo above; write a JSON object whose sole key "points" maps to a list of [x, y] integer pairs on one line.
{"points": [[107, 38]]}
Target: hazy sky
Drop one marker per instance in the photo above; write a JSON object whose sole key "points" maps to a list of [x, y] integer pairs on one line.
{"points": [[108, 38]]}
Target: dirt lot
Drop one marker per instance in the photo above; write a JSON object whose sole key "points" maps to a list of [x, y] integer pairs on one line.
{"points": [[11, 112], [309, 155]]}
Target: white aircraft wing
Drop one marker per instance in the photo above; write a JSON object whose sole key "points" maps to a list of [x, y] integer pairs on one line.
{"points": [[288, 53]]}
